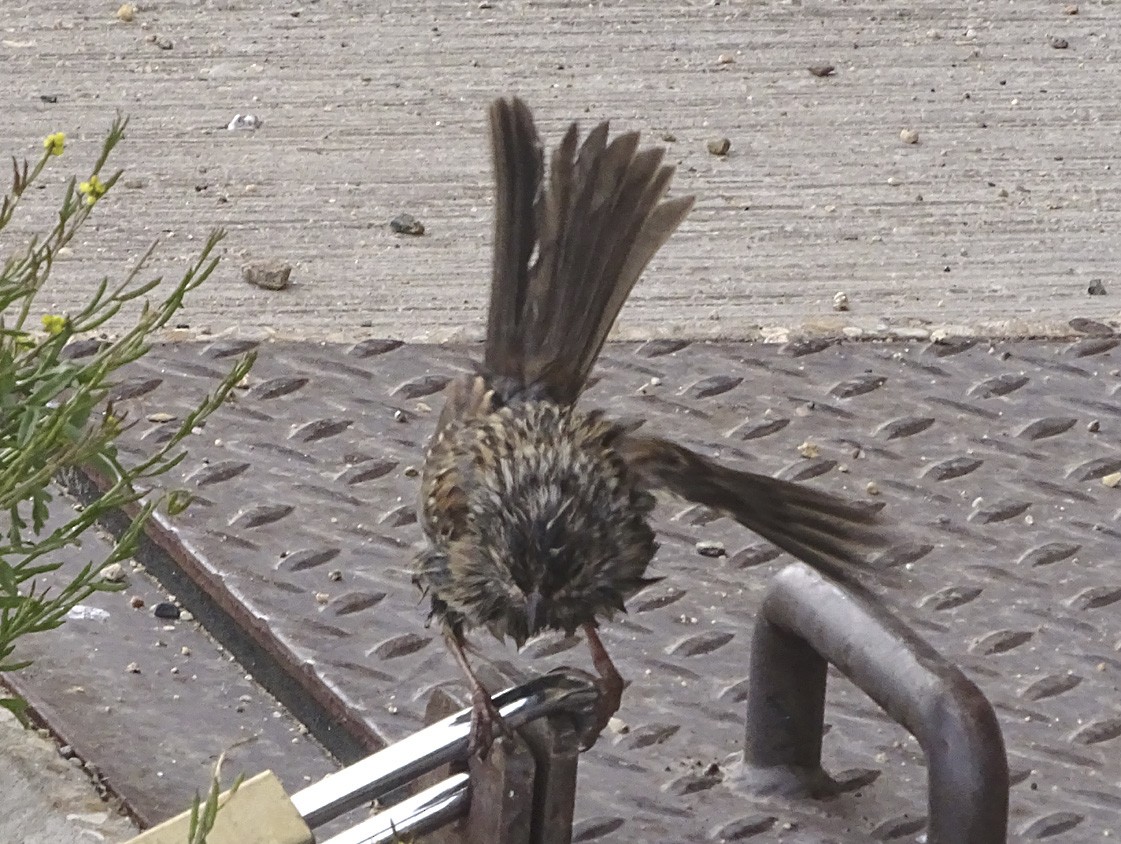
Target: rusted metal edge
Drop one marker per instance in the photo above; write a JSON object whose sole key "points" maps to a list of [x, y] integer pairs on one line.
{"points": [[344, 735]]}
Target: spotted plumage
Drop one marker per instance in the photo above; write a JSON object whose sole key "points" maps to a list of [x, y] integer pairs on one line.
{"points": [[536, 511], [522, 480]]}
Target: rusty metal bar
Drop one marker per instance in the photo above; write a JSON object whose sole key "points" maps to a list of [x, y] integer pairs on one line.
{"points": [[808, 621], [197, 581]]}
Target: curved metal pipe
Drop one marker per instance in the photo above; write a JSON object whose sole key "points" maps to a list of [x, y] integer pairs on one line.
{"points": [[808, 621]]}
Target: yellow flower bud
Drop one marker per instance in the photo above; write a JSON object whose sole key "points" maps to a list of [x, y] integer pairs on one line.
{"points": [[54, 143]]}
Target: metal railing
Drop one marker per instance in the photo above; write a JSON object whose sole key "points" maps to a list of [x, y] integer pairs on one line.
{"points": [[531, 777], [808, 622]]}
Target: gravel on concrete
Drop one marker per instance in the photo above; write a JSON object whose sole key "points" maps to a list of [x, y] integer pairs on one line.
{"points": [[998, 219]]}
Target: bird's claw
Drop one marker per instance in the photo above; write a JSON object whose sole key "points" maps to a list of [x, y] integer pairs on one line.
{"points": [[610, 699], [486, 725]]}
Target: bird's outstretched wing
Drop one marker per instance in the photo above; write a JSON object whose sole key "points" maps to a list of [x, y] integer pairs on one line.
{"points": [[829, 533]]}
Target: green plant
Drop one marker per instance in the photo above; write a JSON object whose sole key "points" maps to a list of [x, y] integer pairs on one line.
{"points": [[55, 416], [205, 814]]}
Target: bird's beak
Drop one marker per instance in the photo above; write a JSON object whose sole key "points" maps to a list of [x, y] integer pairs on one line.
{"points": [[533, 611]]}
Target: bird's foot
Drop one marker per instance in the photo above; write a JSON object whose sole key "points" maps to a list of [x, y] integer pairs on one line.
{"points": [[610, 684], [486, 724], [610, 699]]}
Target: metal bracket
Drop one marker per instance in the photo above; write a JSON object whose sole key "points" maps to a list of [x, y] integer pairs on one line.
{"points": [[522, 794], [525, 790], [807, 622]]}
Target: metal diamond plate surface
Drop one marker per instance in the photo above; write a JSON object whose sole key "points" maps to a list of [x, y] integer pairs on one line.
{"points": [[997, 460]]}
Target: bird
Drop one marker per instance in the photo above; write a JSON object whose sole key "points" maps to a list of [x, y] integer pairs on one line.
{"points": [[536, 511]]}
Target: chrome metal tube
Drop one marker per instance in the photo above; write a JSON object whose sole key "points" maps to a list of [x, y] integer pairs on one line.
{"points": [[419, 815], [443, 742]]}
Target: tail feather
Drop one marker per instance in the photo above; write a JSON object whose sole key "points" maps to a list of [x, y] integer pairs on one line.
{"points": [[518, 165], [564, 269]]}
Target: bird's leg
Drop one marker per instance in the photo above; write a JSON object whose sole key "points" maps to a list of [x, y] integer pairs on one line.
{"points": [[485, 718], [611, 683]]}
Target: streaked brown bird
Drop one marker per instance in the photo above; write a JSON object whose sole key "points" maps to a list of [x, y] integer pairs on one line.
{"points": [[536, 511]]}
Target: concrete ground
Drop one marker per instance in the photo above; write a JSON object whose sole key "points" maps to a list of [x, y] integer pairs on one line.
{"points": [[998, 220], [46, 798]]}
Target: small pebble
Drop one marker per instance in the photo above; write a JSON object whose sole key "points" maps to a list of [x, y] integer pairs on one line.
{"points": [[840, 301], [160, 417], [1059, 43], [407, 224], [411, 472], [245, 123], [185, 651], [334, 575], [1094, 426], [186, 615], [711, 548], [113, 573], [268, 275], [1070, 9], [1112, 480], [821, 70], [725, 58], [909, 136], [618, 726], [166, 610], [872, 489], [322, 597], [809, 450], [1096, 288], [126, 12], [133, 668], [719, 146]]}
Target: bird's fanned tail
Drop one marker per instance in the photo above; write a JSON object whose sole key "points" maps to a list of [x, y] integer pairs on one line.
{"points": [[569, 249], [823, 530]]}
